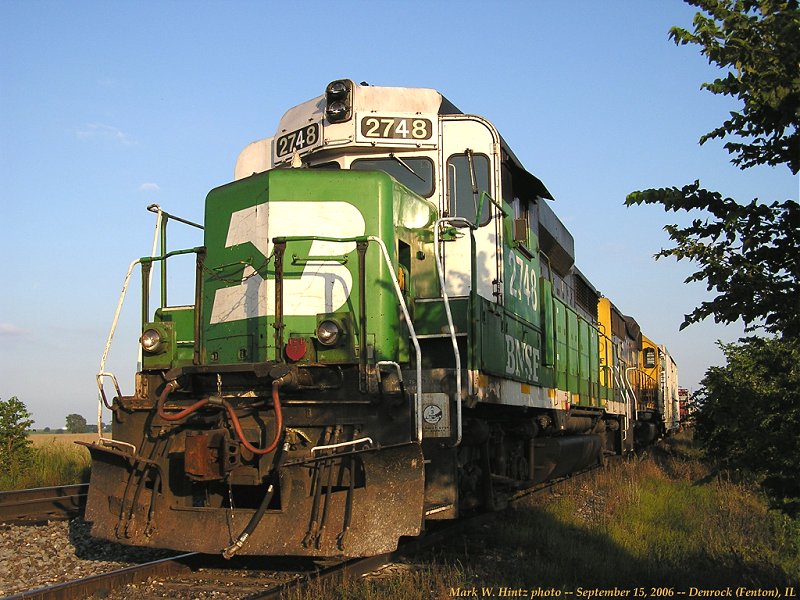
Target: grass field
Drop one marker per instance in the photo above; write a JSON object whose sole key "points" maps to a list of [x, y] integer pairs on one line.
{"points": [[653, 526], [66, 440], [57, 460]]}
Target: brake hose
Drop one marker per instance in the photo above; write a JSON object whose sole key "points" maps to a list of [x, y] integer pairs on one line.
{"points": [[237, 426], [168, 389], [262, 508]]}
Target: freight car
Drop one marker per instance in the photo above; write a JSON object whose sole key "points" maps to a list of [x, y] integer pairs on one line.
{"points": [[388, 327], [684, 405]]}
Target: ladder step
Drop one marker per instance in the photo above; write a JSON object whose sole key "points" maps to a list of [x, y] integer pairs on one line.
{"points": [[438, 508]]}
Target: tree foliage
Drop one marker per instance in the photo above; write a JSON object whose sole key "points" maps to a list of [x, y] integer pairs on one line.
{"points": [[76, 423], [748, 254], [757, 43], [16, 452], [750, 414]]}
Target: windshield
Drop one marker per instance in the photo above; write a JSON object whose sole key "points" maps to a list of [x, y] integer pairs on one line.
{"points": [[414, 173]]}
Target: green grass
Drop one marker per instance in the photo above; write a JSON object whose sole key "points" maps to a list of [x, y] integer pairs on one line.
{"points": [[407, 582], [52, 464], [662, 520]]}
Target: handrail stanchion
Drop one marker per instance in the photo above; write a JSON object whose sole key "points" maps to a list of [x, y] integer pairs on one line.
{"points": [[446, 300], [411, 332], [159, 234]]}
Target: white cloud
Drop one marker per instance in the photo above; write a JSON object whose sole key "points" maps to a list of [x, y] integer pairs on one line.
{"points": [[9, 329], [101, 131], [149, 187]]}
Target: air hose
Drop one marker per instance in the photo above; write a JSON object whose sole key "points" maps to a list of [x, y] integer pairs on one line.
{"points": [[237, 426], [262, 508], [276, 401], [168, 389]]}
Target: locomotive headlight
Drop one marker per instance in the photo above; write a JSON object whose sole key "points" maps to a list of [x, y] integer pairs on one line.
{"points": [[339, 100], [151, 340], [328, 333], [337, 89], [336, 111]]}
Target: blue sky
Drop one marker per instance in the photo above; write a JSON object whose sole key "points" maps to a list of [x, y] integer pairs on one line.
{"points": [[106, 107]]}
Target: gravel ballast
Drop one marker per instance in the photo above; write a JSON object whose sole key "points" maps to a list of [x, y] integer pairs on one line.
{"points": [[35, 556]]}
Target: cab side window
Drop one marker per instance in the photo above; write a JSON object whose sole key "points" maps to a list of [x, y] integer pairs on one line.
{"points": [[463, 201]]}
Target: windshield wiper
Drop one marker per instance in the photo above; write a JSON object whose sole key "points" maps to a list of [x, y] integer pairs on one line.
{"points": [[404, 164]]}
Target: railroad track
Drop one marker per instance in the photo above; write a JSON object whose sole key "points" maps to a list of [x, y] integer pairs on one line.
{"points": [[106, 582], [36, 505], [256, 577], [253, 578]]}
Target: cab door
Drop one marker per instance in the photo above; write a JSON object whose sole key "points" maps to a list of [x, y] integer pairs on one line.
{"points": [[469, 148]]}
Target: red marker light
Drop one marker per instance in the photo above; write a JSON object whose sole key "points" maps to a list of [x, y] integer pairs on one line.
{"points": [[296, 349]]}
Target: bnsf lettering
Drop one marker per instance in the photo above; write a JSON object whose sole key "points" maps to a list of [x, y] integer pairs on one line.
{"points": [[522, 360]]}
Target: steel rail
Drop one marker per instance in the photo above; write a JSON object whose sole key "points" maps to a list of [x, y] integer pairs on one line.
{"points": [[41, 504], [187, 564], [357, 567], [104, 583], [439, 533]]}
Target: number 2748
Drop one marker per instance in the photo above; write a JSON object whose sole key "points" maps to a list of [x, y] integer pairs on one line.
{"points": [[396, 127], [297, 140]]}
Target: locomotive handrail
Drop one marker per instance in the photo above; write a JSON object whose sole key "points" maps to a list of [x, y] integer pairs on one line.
{"points": [[627, 382], [635, 400], [446, 300], [152, 259], [401, 301], [160, 233], [411, 332], [626, 397], [628, 389], [163, 220], [101, 401], [299, 260], [102, 372], [155, 208], [364, 440], [390, 363], [113, 378], [145, 260], [319, 238]]}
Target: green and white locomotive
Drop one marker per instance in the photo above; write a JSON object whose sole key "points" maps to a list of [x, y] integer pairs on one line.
{"points": [[388, 328]]}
